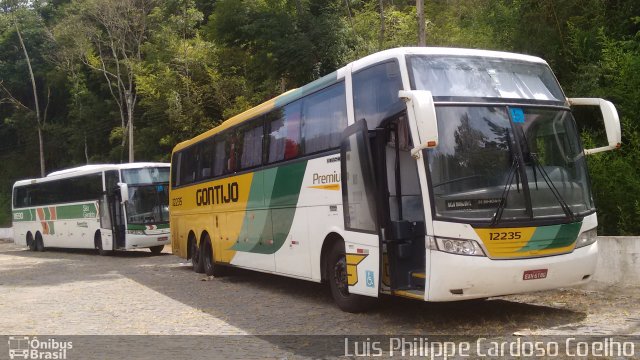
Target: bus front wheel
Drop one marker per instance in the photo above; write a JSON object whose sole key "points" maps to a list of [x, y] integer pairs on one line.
{"points": [[337, 276], [156, 250], [97, 241]]}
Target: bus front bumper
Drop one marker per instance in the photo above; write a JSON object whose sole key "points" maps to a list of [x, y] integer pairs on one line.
{"points": [[145, 241], [456, 277]]}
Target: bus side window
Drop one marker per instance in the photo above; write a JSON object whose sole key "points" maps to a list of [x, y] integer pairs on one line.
{"points": [[189, 165], [219, 164], [206, 160], [175, 169], [234, 152], [375, 93], [325, 116], [251, 155], [284, 133]]}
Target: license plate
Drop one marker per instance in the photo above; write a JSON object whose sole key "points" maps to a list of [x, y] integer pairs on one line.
{"points": [[163, 238], [534, 274]]}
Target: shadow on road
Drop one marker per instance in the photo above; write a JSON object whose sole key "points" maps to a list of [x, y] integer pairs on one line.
{"points": [[264, 304]]}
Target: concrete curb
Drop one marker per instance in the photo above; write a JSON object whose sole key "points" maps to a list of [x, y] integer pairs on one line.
{"points": [[618, 262]]}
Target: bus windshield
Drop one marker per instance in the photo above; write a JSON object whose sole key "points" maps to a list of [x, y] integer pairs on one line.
{"points": [[499, 163], [148, 195], [146, 175], [486, 161], [477, 77]]}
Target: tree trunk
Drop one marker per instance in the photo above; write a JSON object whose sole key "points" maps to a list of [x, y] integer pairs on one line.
{"points": [[130, 124], [422, 36], [381, 40], [39, 121]]}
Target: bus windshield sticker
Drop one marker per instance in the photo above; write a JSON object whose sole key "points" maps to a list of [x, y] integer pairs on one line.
{"points": [[517, 115]]}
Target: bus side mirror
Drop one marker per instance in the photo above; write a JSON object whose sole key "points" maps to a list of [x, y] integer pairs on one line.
{"points": [[421, 111], [124, 192], [610, 118]]}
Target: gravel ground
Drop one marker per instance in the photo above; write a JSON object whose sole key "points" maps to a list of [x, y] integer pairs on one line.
{"points": [[64, 292]]}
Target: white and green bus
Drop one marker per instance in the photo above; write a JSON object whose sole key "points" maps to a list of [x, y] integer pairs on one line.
{"points": [[104, 207], [437, 174]]}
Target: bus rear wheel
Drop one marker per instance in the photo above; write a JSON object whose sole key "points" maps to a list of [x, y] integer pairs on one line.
{"points": [[210, 268], [30, 242], [196, 257], [337, 276], [156, 250], [39, 246]]}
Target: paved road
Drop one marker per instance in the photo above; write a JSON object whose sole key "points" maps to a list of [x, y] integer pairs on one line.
{"points": [[63, 292]]}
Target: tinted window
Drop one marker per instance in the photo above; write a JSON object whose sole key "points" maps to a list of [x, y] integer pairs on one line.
{"points": [[284, 133], [220, 160], [375, 93], [251, 154], [189, 165], [175, 169], [84, 188], [324, 118], [207, 158]]}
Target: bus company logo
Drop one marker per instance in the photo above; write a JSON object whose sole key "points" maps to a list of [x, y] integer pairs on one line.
{"points": [[88, 212], [219, 194], [24, 347]]}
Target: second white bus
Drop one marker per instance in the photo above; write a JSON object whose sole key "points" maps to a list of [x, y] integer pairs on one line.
{"points": [[104, 207]]}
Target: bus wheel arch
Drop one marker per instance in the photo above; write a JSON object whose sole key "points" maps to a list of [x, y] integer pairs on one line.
{"points": [[327, 245], [336, 276], [30, 241]]}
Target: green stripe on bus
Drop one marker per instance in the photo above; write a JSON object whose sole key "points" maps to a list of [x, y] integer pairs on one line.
{"points": [[144, 227], [24, 215], [307, 89], [264, 231], [80, 211], [552, 237]]}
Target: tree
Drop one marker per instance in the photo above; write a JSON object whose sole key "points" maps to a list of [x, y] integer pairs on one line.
{"points": [[107, 36], [15, 10]]}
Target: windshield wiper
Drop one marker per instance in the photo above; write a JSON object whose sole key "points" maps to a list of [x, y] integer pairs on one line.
{"points": [[515, 164], [536, 165], [563, 204]]}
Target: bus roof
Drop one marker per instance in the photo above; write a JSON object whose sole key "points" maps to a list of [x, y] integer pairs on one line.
{"points": [[88, 169], [364, 62]]}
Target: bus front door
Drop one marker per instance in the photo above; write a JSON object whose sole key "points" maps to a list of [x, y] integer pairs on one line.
{"points": [[401, 212], [362, 232], [116, 210]]}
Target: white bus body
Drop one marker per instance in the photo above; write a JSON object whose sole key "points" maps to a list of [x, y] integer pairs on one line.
{"points": [[430, 173], [83, 208]]}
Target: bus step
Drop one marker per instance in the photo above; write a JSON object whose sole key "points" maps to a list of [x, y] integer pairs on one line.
{"points": [[411, 294], [417, 278]]}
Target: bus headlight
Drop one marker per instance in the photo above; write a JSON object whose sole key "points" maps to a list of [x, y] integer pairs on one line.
{"points": [[136, 232], [459, 247], [587, 238]]}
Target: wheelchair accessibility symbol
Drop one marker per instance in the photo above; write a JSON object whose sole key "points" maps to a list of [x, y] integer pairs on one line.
{"points": [[370, 278]]}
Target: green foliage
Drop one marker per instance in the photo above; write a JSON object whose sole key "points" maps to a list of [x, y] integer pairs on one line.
{"points": [[201, 62]]}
